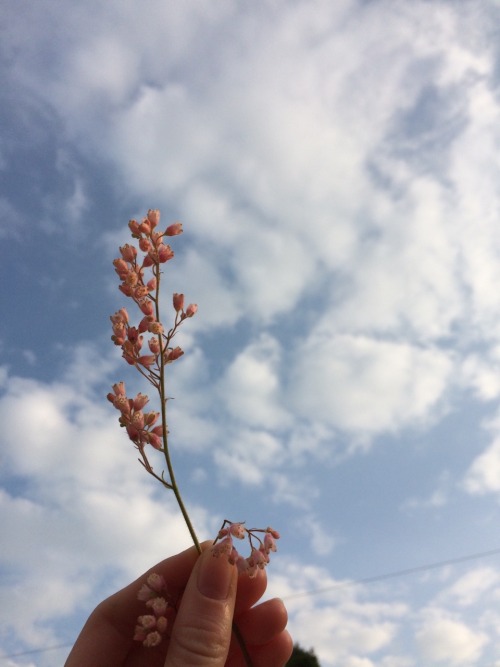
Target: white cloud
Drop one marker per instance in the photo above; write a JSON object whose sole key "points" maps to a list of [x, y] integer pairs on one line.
{"points": [[447, 640], [483, 476], [251, 387], [471, 587], [361, 384]]}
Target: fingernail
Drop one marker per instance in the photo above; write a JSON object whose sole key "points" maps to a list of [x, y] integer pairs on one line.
{"points": [[214, 576]]}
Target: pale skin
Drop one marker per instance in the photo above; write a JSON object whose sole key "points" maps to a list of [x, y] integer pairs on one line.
{"points": [[211, 596]]}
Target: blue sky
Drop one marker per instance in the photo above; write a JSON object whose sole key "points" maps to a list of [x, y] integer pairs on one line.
{"points": [[336, 169]]}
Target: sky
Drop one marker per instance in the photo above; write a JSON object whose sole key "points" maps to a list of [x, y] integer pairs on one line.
{"points": [[336, 168]]}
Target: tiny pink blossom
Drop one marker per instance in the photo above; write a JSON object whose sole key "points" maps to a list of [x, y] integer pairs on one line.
{"points": [[147, 621], [178, 300], [165, 253], [191, 309], [128, 252], [155, 328], [155, 441], [153, 217], [156, 582], [172, 354], [134, 227], [174, 230], [237, 530], [154, 345], [140, 401], [157, 605], [145, 244], [152, 639], [146, 360], [121, 268], [161, 624]]}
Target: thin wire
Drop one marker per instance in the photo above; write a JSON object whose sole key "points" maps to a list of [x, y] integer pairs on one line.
{"points": [[393, 575], [326, 589], [35, 650]]}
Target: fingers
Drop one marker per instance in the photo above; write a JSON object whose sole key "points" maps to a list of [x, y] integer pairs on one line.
{"points": [[202, 630], [106, 638], [263, 630]]}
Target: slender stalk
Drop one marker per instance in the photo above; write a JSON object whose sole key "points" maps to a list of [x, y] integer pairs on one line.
{"points": [[166, 451]]}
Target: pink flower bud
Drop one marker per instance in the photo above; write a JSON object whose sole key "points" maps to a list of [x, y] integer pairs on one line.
{"points": [[145, 227], [237, 530], [145, 322], [273, 532], [178, 300], [147, 307], [151, 284], [141, 292], [269, 543], [174, 230], [155, 328], [172, 354], [145, 244], [148, 621], [151, 418], [155, 441], [152, 639], [131, 279], [158, 606], [128, 252], [134, 227], [146, 360], [154, 345], [138, 420], [119, 389], [121, 316], [140, 401], [153, 217], [126, 289], [191, 310], [121, 268], [165, 253], [156, 582]]}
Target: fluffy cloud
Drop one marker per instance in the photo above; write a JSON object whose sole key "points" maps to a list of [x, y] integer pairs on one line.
{"points": [[447, 640], [362, 384]]}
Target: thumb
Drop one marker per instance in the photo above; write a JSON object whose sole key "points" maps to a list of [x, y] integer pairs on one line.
{"points": [[202, 630]]}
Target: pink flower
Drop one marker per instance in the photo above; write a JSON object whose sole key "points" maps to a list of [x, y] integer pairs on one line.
{"points": [[157, 605], [128, 252], [146, 360], [154, 346], [152, 639], [173, 230], [155, 328], [191, 310], [165, 253], [121, 268], [237, 530], [172, 354], [178, 300], [153, 217]]}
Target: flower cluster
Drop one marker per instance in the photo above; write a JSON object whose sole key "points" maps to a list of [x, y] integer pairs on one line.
{"points": [[260, 549], [140, 425], [140, 280], [144, 292], [151, 627]]}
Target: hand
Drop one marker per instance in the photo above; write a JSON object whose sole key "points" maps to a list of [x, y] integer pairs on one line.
{"points": [[212, 595]]}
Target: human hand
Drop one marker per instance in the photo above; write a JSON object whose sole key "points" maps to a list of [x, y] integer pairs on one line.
{"points": [[211, 595]]}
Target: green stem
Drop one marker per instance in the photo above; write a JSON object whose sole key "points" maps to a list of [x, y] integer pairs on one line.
{"points": [[173, 482], [166, 451]]}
